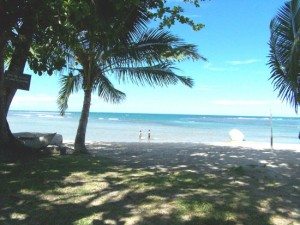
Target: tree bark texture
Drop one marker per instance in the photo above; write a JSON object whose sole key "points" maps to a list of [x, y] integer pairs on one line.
{"points": [[20, 56], [3, 128], [79, 144], [8, 142]]}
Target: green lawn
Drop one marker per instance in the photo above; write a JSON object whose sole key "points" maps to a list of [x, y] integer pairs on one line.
{"points": [[90, 190]]}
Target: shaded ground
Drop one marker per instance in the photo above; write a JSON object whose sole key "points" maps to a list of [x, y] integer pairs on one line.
{"points": [[145, 183]]}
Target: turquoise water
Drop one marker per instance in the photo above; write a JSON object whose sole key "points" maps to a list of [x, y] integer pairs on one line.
{"points": [[164, 127]]}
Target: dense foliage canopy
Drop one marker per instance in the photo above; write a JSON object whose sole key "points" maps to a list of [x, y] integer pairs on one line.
{"points": [[40, 33]]}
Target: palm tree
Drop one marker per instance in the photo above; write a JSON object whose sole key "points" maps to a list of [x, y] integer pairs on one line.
{"points": [[284, 57], [147, 58]]}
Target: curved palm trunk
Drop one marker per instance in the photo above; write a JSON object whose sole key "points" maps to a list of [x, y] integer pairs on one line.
{"points": [[79, 144]]}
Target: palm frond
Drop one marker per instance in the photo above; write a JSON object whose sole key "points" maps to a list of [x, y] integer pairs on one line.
{"points": [[107, 91], [184, 51], [164, 44], [134, 54], [153, 46], [68, 85], [156, 75], [284, 57]]}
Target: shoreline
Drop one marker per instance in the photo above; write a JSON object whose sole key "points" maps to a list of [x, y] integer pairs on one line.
{"points": [[230, 144], [112, 127]]}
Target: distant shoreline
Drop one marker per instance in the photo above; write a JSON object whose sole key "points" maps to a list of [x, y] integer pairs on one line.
{"points": [[125, 127]]}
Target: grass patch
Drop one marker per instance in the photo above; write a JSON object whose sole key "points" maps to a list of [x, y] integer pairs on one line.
{"points": [[83, 190], [237, 171]]}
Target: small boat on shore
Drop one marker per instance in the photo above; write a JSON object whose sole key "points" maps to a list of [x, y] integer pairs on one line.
{"points": [[35, 140]]}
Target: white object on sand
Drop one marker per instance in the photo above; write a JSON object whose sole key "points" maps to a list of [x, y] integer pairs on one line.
{"points": [[236, 135]]}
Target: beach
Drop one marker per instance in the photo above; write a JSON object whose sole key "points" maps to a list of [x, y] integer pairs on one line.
{"points": [[120, 113], [268, 178], [258, 145], [232, 153], [187, 173], [154, 183], [150, 182]]}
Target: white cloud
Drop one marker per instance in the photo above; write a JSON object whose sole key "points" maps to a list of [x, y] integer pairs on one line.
{"points": [[34, 99], [27, 101], [245, 102], [242, 62], [210, 67]]}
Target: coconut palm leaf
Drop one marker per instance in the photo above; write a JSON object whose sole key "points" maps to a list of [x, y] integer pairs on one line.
{"points": [[157, 75], [284, 57], [164, 43], [107, 91], [152, 46], [68, 85]]}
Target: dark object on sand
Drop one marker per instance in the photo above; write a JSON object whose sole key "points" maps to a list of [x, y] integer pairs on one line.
{"points": [[63, 150], [35, 140]]}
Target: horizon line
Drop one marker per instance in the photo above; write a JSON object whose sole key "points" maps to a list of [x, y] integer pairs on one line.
{"points": [[296, 116]]}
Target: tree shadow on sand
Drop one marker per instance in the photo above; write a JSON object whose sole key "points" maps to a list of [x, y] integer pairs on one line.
{"points": [[136, 184]]}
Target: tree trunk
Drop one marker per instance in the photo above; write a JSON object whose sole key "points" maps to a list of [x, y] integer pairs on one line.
{"points": [[3, 127], [8, 142], [20, 56], [79, 144]]}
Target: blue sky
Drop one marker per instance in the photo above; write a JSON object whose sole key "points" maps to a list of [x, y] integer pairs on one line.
{"points": [[234, 81]]}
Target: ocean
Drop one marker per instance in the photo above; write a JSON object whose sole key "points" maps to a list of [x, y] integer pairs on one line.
{"points": [[125, 127]]}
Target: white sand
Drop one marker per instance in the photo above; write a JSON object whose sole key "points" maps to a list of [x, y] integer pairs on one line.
{"points": [[284, 157], [233, 144], [258, 145], [262, 167]]}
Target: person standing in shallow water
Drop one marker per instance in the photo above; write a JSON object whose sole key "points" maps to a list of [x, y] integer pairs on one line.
{"points": [[149, 135], [140, 135]]}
